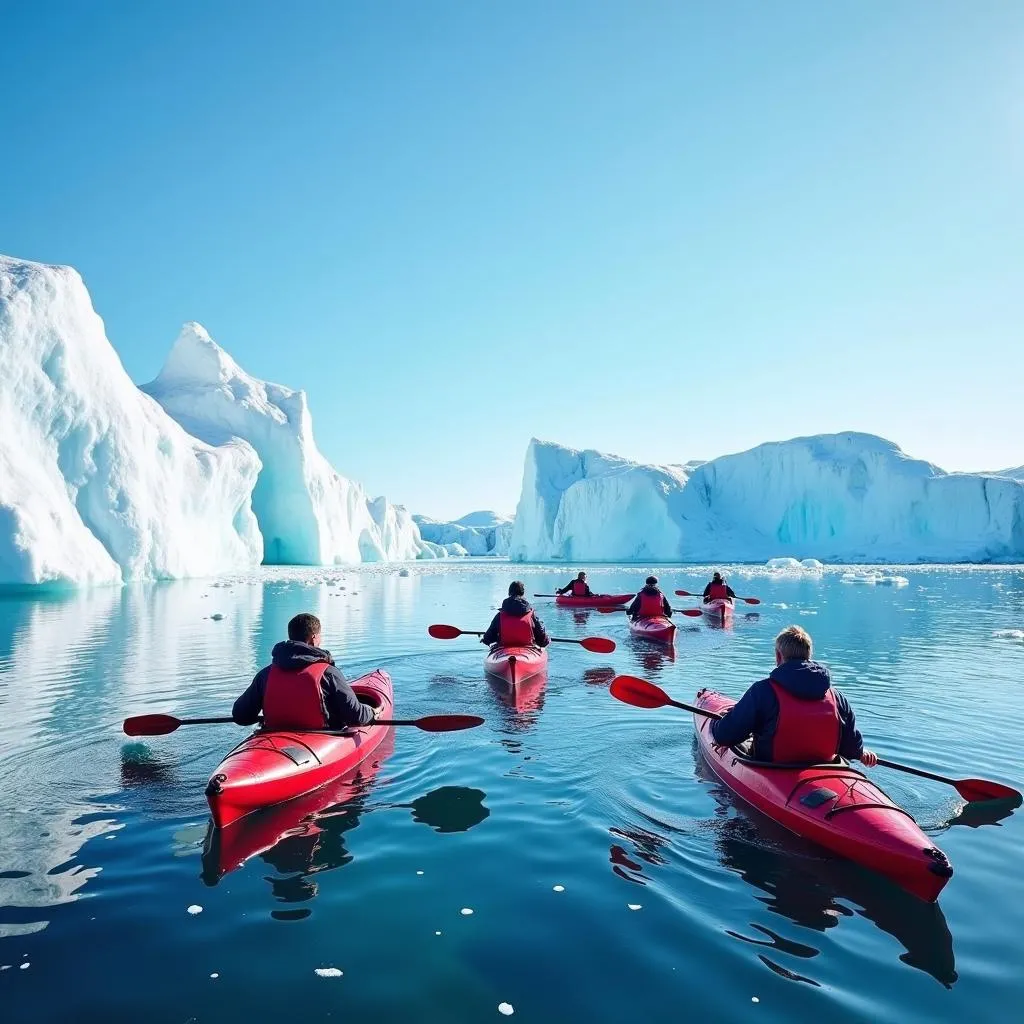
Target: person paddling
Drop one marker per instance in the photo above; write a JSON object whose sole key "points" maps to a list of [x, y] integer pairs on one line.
{"points": [[579, 587], [516, 625], [794, 716], [302, 688], [718, 589], [650, 602]]}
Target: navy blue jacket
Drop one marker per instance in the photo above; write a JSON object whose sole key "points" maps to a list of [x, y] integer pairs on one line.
{"points": [[344, 708], [517, 606], [567, 589], [756, 713], [634, 608]]}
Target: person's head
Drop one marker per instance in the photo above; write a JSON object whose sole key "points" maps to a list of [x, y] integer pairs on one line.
{"points": [[792, 644], [305, 629], [517, 589], [717, 577], [652, 581], [582, 576]]}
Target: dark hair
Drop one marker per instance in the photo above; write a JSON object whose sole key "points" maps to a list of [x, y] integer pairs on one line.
{"points": [[517, 589], [652, 581], [303, 628]]}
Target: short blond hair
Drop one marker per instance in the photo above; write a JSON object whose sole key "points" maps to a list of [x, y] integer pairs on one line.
{"points": [[794, 644]]}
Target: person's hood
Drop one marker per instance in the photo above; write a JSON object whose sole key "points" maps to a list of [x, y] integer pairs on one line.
{"points": [[804, 679], [517, 606], [649, 589], [293, 656]]}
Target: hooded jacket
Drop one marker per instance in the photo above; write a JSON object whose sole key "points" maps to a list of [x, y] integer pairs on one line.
{"points": [[756, 713], [634, 609], [519, 607], [344, 709]]}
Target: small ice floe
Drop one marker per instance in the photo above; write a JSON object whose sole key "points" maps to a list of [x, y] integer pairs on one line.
{"points": [[893, 581], [506, 1009], [195, 909], [419, 872], [808, 611], [812, 564], [327, 972], [633, 906], [781, 605], [782, 563], [25, 966], [1009, 634], [215, 975], [466, 911], [216, 616], [437, 933], [861, 577], [754, 999], [559, 888]]}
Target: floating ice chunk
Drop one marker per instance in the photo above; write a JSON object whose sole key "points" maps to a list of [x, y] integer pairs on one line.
{"points": [[437, 933], [633, 906], [812, 564], [782, 563], [506, 1009], [559, 888], [419, 872], [25, 966], [215, 975], [466, 911], [861, 577], [754, 999], [327, 972], [894, 581], [195, 909], [1009, 634]]}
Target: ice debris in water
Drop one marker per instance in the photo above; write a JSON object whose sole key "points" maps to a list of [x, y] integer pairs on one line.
{"points": [[1009, 634], [754, 999], [506, 1009], [437, 933], [195, 909], [559, 888], [25, 965], [419, 872], [328, 972], [215, 975], [633, 906], [466, 911]]}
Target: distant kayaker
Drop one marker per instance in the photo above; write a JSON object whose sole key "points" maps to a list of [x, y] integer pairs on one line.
{"points": [[302, 688], [578, 586], [516, 625], [718, 589], [649, 602], [794, 716]]}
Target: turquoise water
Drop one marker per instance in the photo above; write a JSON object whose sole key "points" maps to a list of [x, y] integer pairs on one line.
{"points": [[102, 838]]}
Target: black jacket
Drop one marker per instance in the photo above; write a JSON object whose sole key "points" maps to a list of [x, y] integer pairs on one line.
{"points": [[729, 591], [567, 589], [344, 709], [634, 609], [756, 713], [517, 606]]}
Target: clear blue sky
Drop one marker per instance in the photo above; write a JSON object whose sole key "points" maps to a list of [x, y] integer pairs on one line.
{"points": [[666, 230]]}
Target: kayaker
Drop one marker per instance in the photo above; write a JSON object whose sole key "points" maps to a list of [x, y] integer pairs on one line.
{"points": [[718, 589], [302, 688], [649, 602], [578, 586], [516, 625], [795, 715]]}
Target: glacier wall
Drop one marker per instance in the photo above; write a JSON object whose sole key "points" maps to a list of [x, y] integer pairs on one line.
{"points": [[846, 497], [478, 533], [309, 514], [97, 483]]}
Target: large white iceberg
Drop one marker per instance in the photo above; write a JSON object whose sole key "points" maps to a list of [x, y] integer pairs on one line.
{"points": [[840, 497], [97, 483], [308, 513], [480, 533]]}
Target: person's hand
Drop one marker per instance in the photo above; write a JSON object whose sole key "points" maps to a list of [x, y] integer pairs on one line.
{"points": [[869, 758]]}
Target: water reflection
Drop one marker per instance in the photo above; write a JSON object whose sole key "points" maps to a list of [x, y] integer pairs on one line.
{"points": [[652, 659], [520, 703], [451, 808]]}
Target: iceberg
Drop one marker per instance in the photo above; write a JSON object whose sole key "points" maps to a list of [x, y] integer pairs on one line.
{"points": [[479, 533], [98, 485], [848, 497], [308, 513]]}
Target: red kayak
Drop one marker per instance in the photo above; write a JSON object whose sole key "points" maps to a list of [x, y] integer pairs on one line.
{"points": [[270, 767], [835, 805], [515, 664], [719, 610], [597, 601], [657, 628]]}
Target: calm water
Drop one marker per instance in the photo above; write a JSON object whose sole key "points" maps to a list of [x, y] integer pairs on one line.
{"points": [[102, 839]]}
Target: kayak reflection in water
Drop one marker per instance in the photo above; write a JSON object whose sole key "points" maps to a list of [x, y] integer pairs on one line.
{"points": [[578, 587], [794, 716], [302, 688], [718, 589], [516, 625], [650, 602]]}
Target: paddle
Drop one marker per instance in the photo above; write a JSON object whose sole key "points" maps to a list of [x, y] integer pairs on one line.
{"points": [[591, 598], [745, 600], [161, 725], [693, 613], [642, 694], [594, 644]]}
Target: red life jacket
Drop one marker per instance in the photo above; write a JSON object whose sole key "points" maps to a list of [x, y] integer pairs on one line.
{"points": [[294, 700], [716, 591], [651, 605], [808, 731], [515, 630], [579, 588]]}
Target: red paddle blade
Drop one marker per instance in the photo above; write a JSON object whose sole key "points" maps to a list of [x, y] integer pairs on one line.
{"points": [[983, 789], [750, 600], [638, 692], [684, 593], [693, 613], [598, 644], [608, 611], [448, 723], [150, 725], [440, 632]]}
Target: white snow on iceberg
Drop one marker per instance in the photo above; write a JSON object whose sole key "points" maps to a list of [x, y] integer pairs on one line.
{"points": [[97, 483], [308, 513], [480, 533], [839, 497]]}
